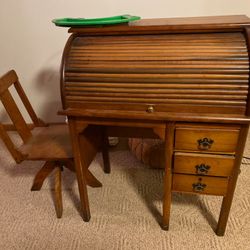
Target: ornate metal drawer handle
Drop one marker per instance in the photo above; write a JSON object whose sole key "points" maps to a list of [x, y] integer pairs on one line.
{"points": [[202, 169], [205, 143], [199, 187]]}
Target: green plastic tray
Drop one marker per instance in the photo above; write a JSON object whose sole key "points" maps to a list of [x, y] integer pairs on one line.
{"points": [[69, 22]]}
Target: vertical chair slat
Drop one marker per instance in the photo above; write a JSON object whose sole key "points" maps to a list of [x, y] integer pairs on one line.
{"points": [[37, 122], [15, 115]]}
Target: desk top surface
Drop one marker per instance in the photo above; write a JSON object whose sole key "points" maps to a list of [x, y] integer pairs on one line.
{"points": [[172, 24]]}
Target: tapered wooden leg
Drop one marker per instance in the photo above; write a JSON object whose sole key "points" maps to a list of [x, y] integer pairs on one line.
{"points": [[90, 178], [169, 144], [105, 152], [90, 142], [42, 174], [227, 200], [82, 185], [58, 192]]}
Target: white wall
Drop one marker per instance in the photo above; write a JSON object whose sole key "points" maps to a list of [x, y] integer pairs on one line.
{"points": [[33, 46]]}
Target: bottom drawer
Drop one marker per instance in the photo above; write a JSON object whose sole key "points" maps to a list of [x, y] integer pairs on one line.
{"points": [[200, 184]]}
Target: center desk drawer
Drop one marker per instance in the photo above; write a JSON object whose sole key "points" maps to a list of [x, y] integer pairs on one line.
{"points": [[200, 184], [205, 139], [203, 164]]}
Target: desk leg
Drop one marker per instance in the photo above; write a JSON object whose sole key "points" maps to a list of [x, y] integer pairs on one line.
{"points": [[227, 200], [105, 151], [169, 144], [75, 137]]}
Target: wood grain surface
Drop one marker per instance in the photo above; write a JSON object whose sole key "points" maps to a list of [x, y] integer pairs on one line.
{"points": [[218, 165], [197, 72]]}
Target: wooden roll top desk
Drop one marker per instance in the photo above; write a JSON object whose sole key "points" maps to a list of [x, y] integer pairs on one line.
{"points": [[184, 80]]}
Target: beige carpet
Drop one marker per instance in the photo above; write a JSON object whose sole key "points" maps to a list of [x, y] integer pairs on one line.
{"points": [[125, 212]]}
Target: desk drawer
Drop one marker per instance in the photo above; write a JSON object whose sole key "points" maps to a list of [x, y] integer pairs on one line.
{"points": [[200, 184], [205, 139], [203, 164]]}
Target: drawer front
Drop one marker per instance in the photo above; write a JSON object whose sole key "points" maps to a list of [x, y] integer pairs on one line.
{"points": [[206, 139], [203, 164], [200, 184]]}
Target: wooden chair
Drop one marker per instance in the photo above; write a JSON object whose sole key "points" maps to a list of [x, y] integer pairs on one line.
{"points": [[43, 142]]}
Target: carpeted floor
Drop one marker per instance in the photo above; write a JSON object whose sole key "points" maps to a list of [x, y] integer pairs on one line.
{"points": [[125, 212]]}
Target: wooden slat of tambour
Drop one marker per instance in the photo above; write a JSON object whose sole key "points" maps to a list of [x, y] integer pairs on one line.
{"points": [[158, 95], [157, 76], [155, 81], [109, 69], [158, 100], [164, 37], [166, 44], [174, 63], [228, 36], [219, 37], [75, 66], [118, 89], [160, 44], [149, 43], [153, 65], [117, 40], [165, 48], [157, 58], [131, 85], [158, 48], [212, 64]]}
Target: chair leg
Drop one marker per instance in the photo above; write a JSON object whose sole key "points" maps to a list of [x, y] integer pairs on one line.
{"points": [[58, 192], [42, 174], [90, 178]]}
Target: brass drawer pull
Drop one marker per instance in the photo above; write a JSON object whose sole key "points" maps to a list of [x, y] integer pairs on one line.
{"points": [[205, 143], [198, 186], [202, 169]]}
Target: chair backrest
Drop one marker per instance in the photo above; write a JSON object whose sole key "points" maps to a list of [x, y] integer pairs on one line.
{"points": [[14, 113]]}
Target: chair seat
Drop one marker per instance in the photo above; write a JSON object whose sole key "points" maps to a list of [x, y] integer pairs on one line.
{"points": [[48, 143]]}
